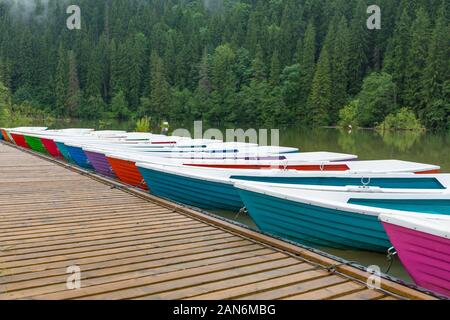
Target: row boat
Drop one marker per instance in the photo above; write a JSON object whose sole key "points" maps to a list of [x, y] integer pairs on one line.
{"points": [[423, 246], [340, 217], [213, 188], [123, 164]]}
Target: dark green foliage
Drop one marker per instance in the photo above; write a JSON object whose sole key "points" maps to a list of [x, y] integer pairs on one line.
{"points": [[320, 101], [119, 106], [404, 119], [377, 99], [280, 61]]}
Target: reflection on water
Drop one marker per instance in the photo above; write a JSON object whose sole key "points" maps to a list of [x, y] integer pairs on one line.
{"points": [[367, 144], [432, 148], [403, 141]]}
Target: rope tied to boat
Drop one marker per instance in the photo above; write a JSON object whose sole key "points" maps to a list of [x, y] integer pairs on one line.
{"points": [[391, 253], [322, 166], [242, 210], [142, 183]]}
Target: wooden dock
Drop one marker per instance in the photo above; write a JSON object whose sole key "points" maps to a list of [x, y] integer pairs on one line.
{"points": [[131, 245]]}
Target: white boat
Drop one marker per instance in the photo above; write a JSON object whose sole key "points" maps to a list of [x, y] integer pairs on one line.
{"points": [[340, 217], [214, 187]]}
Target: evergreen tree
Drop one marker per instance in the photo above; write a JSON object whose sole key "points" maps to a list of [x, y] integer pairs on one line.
{"points": [[436, 87], [358, 46], [258, 67], [61, 82], [119, 106], [73, 86], [136, 65], [416, 61], [307, 62], [275, 69], [223, 82], [397, 54], [256, 51], [204, 88], [94, 76], [339, 67], [290, 83], [159, 88], [320, 100]]}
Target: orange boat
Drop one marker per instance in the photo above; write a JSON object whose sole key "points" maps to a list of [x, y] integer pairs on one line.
{"points": [[127, 172]]}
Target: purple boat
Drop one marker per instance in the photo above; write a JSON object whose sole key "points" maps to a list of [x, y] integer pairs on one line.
{"points": [[99, 161], [423, 246]]}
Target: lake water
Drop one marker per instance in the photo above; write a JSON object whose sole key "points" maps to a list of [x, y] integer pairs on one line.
{"points": [[367, 144]]}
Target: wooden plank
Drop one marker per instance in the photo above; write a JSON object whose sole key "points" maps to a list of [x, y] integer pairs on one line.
{"points": [[32, 245], [366, 294], [328, 292], [289, 290], [101, 288], [119, 266], [261, 286], [113, 242], [118, 253], [257, 273]]}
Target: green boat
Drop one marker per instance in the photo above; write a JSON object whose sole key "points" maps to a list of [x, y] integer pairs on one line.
{"points": [[35, 144]]}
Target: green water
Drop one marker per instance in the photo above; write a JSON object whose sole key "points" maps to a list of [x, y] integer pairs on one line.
{"points": [[432, 148]]}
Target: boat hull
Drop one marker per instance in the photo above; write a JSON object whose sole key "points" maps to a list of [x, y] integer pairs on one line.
{"points": [[5, 135], [20, 140], [79, 157], [194, 192], [35, 144], [100, 163], [313, 225], [64, 151], [426, 257], [127, 172], [10, 138], [51, 147]]}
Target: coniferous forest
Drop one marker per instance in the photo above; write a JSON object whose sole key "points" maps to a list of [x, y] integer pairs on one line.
{"points": [[308, 62]]}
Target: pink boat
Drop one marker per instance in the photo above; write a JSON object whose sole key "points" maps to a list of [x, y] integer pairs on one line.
{"points": [[422, 242]]}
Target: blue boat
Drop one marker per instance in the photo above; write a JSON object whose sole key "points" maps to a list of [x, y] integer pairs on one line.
{"points": [[329, 217], [64, 151], [167, 182], [78, 156]]}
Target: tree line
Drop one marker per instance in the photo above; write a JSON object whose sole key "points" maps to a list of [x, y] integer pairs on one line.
{"points": [[309, 62]]}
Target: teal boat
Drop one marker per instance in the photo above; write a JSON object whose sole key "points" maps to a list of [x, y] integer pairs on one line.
{"points": [[338, 217], [64, 151], [195, 191], [213, 188]]}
